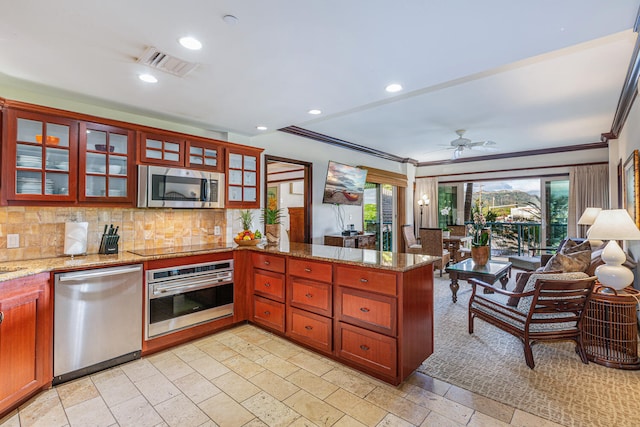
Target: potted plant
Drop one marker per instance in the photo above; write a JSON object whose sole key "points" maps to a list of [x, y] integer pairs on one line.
{"points": [[271, 217], [480, 250], [446, 232]]}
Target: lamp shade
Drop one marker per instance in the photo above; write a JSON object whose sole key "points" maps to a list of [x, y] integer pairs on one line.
{"points": [[589, 216], [614, 224]]}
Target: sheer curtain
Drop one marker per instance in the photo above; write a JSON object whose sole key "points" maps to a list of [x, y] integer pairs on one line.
{"points": [[588, 187], [428, 186]]}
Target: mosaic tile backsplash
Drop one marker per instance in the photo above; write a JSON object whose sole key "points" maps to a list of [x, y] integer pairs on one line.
{"points": [[41, 229]]}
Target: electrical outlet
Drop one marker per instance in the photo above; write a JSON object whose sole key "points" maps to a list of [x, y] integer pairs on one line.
{"points": [[216, 230], [13, 241]]}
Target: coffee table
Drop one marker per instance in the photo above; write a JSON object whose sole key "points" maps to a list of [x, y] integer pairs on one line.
{"points": [[489, 273]]}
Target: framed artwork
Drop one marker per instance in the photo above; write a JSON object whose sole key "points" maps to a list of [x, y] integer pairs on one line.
{"points": [[631, 183], [272, 197], [296, 187]]}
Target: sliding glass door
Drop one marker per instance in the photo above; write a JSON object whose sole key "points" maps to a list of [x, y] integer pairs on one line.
{"points": [[379, 214], [556, 210]]}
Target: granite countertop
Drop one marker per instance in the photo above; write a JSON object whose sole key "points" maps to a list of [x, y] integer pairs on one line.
{"points": [[359, 257]]}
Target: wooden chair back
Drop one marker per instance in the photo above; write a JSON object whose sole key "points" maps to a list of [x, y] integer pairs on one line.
{"points": [[431, 240], [411, 245], [458, 230]]}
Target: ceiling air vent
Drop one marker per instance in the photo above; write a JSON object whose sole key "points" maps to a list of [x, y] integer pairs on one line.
{"points": [[153, 58]]}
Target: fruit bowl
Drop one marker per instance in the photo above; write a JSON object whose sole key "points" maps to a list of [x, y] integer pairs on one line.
{"points": [[247, 242]]}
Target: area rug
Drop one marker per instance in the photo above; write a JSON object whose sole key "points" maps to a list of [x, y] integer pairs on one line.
{"points": [[491, 363]]}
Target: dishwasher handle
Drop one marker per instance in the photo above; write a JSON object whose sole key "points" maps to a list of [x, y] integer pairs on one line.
{"points": [[72, 277]]}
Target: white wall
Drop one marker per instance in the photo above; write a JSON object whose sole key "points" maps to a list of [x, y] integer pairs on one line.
{"points": [[293, 147]]}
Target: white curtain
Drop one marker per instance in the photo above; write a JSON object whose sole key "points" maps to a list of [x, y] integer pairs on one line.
{"points": [[428, 187], [588, 187]]}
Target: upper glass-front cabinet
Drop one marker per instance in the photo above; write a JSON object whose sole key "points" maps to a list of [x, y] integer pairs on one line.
{"points": [[157, 149], [243, 172], [204, 155], [41, 150], [105, 170]]}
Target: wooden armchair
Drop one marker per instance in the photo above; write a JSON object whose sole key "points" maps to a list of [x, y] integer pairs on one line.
{"points": [[432, 244], [549, 309], [411, 245]]}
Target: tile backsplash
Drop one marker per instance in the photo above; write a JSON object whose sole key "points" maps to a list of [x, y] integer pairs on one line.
{"points": [[41, 229]]}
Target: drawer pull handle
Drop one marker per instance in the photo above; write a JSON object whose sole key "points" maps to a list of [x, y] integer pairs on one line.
{"points": [[364, 309], [308, 295], [308, 328], [267, 263], [308, 270], [364, 347], [267, 313], [1, 317], [363, 280], [267, 285]]}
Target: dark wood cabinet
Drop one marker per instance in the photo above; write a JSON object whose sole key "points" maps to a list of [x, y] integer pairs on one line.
{"points": [[296, 224], [360, 241], [243, 178], [39, 157], [205, 155], [25, 339], [161, 149], [56, 159], [106, 172], [268, 284]]}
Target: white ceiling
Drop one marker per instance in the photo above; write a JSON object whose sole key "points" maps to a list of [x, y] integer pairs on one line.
{"points": [[527, 75]]}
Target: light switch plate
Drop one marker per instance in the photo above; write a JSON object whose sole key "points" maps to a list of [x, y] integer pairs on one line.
{"points": [[13, 241], [216, 230]]}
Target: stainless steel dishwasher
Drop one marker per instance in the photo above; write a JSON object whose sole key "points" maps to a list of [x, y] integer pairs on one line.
{"points": [[97, 320]]}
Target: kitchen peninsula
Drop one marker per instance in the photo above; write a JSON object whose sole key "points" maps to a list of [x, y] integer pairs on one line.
{"points": [[367, 309]]}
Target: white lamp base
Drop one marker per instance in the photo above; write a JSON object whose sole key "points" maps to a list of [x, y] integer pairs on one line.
{"points": [[613, 274]]}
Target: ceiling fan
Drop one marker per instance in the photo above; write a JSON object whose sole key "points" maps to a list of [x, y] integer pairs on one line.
{"points": [[461, 143]]}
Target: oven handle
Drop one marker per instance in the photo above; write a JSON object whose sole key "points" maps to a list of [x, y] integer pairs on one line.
{"points": [[182, 287]]}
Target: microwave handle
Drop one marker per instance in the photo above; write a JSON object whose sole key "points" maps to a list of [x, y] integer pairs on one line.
{"points": [[205, 190]]}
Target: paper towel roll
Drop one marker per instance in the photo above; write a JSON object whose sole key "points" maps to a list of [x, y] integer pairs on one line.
{"points": [[75, 238]]}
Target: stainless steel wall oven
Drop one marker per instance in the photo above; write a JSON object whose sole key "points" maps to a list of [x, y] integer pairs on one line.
{"points": [[186, 295]]}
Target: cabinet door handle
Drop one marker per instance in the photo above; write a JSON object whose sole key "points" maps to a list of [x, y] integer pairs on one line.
{"points": [[364, 347], [308, 328], [1, 317], [364, 309], [267, 313], [308, 270], [308, 295], [267, 263], [363, 280], [267, 285]]}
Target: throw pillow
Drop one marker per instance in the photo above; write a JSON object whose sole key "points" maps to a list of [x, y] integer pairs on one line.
{"points": [[578, 261], [521, 281], [572, 247], [525, 302]]}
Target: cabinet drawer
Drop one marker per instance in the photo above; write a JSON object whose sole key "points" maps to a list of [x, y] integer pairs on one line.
{"points": [[310, 295], [268, 262], [268, 313], [371, 311], [309, 328], [368, 349], [367, 279], [310, 269], [268, 284]]}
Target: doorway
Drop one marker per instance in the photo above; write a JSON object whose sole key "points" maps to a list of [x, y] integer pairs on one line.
{"points": [[380, 203], [288, 188]]}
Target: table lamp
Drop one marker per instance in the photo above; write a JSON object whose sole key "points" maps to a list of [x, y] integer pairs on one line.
{"points": [[613, 225], [588, 217]]}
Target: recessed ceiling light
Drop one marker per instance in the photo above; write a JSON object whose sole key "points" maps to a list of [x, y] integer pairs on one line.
{"points": [[148, 78], [261, 127], [393, 87], [314, 111], [230, 19], [190, 43]]}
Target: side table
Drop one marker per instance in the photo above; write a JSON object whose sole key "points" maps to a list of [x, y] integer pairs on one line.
{"points": [[610, 328]]}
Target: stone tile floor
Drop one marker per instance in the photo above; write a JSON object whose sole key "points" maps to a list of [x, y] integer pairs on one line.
{"points": [[246, 376]]}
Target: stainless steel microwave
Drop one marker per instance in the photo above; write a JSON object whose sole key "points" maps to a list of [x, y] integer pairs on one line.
{"points": [[167, 187]]}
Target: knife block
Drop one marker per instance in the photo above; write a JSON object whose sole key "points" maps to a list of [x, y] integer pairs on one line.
{"points": [[109, 244]]}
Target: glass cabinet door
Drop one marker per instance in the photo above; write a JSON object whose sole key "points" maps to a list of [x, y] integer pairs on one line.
{"points": [[104, 168], [243, 180], [43, 159], [204, 155], [161, 150]]}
